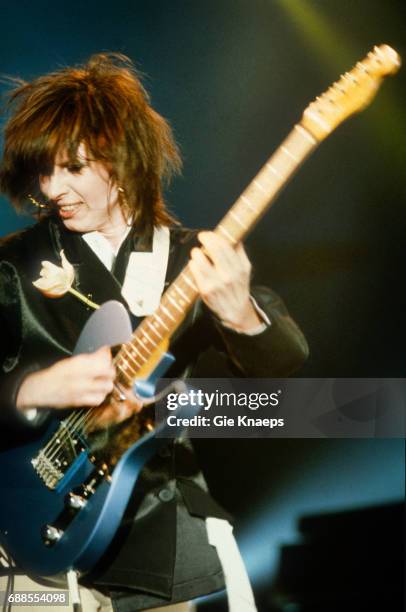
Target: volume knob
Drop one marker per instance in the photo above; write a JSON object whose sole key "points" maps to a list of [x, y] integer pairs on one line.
{"points": [[76, 501], [51, 534]]}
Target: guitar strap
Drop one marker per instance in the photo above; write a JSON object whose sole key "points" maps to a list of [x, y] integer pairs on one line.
{"points": [[73, 586], [239, 592]]}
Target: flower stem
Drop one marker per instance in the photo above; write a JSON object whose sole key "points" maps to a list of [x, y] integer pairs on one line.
{"points": [[84, 299]]}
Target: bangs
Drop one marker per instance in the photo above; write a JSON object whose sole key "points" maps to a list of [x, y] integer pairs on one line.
{"points": [[47, 125], [32, 154]]}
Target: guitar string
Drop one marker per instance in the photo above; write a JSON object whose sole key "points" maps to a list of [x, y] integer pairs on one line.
{"points": [[75, 423], [59, 439], [86, 419], [65, 424], [71, 425]]}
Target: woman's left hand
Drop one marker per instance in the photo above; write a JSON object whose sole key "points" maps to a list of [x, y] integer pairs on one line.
{"points": [[222, 275]]}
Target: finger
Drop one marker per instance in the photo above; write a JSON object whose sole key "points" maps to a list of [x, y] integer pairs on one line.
{"points": [[242, 255], [203, 272], [91, 398], [133, 400], [202, 261], [220, 274], [104, 352], [101, 356], [101, 363], [218, 249]]}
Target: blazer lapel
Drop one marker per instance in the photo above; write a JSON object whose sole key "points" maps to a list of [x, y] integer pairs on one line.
{"points": [[92, 278]]}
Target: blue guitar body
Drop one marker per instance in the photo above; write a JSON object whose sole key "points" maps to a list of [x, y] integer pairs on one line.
{"points": [[52, 530]]}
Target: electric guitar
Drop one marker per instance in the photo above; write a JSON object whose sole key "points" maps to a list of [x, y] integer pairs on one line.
{"points": [[61, 500]]}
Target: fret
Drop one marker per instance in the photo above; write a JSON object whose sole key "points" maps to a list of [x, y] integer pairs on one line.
{"points": [[189, 282], [248, 203], [305, 134], [318, 120], [127, 365], [174, 302], [148, 338], [167, 312], [161, 322], [124, 374], [179, 290], [237, 219], [226, 234], [144, 340], [128, 353], [141, 346], [144, 359], [272, 169], [153, 329], [289, 154], [259, 186]]}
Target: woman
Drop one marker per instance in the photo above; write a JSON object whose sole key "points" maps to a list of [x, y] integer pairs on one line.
{"points": [[84, 145]]}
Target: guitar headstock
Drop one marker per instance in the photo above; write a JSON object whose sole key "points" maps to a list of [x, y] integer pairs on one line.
{"points": [[351, 93]]}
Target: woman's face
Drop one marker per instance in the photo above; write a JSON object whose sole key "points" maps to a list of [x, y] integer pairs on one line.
{"points": [[84, 194]]}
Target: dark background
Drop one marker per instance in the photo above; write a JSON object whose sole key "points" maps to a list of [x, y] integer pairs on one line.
{"points": [[232, 77]]}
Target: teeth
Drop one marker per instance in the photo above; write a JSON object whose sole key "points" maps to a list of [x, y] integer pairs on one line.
{"points": [[68, 207]]}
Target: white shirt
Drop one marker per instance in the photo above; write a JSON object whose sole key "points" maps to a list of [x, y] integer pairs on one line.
{"points": [[144, 280]]}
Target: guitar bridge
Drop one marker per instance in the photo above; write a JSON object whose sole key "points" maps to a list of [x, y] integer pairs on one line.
{"points": [[47, 470], [59, 454]]}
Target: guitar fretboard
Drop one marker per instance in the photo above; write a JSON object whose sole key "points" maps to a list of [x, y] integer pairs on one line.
{"points": [[257, 198]]}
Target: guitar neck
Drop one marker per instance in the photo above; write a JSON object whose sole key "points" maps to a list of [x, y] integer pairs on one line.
{"points": [[263, 189], [155, 330]]}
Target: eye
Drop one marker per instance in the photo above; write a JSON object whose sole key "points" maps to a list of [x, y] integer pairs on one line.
{"points": [[75, 167]]}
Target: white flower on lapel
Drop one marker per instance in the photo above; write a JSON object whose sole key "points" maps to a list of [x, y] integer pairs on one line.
{"points": [[55, 281]]}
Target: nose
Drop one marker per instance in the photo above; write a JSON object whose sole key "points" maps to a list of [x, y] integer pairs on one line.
{"points": [[53, 186]]}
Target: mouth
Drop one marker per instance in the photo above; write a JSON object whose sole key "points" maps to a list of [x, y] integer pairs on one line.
{"points": [[66, 211]]}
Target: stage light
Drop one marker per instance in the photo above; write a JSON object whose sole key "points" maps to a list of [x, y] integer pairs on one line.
{"points": [[333, 49]]}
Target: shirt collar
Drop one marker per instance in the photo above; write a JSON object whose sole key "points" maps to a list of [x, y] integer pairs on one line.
{"points": [[103, 248]]}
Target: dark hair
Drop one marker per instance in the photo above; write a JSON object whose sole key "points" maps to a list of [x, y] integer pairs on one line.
{"points": [[104, 105]]}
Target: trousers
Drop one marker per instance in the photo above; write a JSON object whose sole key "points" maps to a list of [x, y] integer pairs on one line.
{"points": [[239, 592]]}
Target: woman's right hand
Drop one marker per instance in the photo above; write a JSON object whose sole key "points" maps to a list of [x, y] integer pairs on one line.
{"points": [[79, 382], [83, 380]]}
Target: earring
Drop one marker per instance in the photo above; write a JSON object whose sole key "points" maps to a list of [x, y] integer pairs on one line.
{"points": [[123, 198], [35, 202], [124, 205]]}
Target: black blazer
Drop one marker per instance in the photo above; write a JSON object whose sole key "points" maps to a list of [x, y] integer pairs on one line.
{"points": [[37, 331]]}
